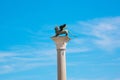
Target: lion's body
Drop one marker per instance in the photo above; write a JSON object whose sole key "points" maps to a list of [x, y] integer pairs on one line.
{"points": [[59, 32]]}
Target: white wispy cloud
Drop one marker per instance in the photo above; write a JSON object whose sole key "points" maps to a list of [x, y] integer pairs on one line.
{"points": [[92, 64], [19, 60], [102, 33], [117, 79], [77, 50], [99, 78], [5, 69]]}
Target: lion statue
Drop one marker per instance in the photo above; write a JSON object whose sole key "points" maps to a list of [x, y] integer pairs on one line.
{"points": [[61, 30]]}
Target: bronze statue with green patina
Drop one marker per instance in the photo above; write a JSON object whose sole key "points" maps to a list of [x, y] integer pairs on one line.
{"points": [[61, 30]]}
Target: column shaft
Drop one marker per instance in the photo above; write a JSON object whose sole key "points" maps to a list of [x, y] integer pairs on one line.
{"points": [[61, 64]]}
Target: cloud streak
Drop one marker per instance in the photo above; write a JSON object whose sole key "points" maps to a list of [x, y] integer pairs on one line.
{"points": [[93, 79], [102, 33], [19, 60]]}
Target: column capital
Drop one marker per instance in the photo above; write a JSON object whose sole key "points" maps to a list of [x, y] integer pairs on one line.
{"points": [[61, 41]]}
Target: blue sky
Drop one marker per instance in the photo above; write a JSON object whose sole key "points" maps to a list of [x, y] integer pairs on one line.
{"points": [[28, 53]]}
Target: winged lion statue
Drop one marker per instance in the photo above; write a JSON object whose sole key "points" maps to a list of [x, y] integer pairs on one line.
{"points": [[61, 30]]}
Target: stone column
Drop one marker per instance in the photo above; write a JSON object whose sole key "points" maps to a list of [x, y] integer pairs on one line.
{"points": [[61, 42]]}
